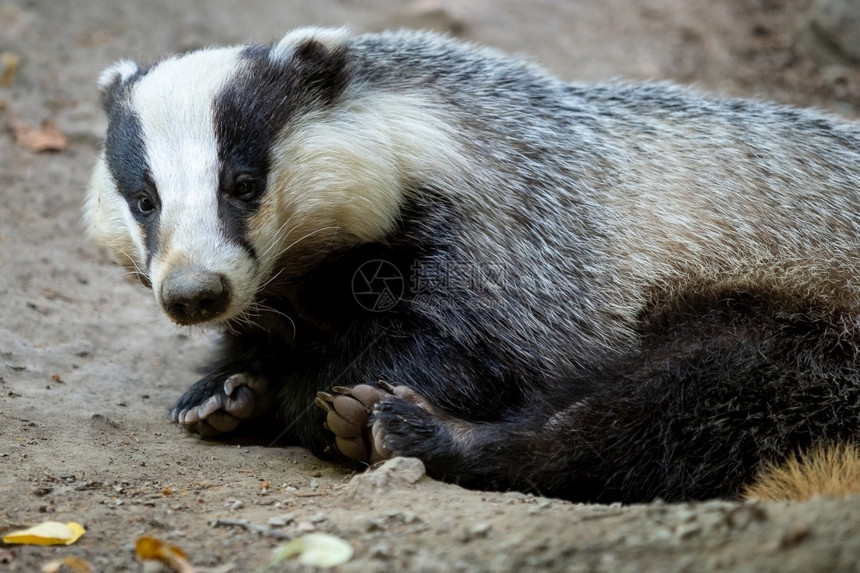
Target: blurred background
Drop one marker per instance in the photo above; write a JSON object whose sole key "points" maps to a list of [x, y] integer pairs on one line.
{"points": [[800, 51]]}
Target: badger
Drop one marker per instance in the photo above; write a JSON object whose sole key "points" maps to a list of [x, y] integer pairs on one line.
{"points": [[611, 292]]}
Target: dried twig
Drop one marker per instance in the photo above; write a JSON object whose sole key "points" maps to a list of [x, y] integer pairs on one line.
{"points": [[262, 529]]}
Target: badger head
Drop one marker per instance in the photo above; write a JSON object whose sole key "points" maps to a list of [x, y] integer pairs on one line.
{"points": [[224, 167]]}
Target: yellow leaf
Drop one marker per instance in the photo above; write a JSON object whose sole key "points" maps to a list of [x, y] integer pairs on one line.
{"points": [[47, 533], [315, 549], [150, 548]]}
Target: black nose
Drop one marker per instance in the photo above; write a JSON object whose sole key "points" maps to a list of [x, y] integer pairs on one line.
{"points": [[190, 296]]}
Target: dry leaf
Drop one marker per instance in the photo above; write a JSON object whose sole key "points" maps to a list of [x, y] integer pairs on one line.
{"points": [[150, 548], [314, 549], [44, 138], [74, 564], [47, 533]]}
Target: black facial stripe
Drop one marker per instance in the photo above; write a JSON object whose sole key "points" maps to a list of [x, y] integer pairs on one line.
{"points": [[253, 109], [233, 215], [149, 225], [127, 162], [125, 151]]}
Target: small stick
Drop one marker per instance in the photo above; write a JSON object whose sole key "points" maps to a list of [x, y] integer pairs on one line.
{"points": [[267, 531]]}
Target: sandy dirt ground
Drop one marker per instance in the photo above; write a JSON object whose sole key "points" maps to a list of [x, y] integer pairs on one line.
{"points": [[89, 367]]}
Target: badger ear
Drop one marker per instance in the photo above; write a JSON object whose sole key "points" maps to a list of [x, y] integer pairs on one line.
{"points": [[317, 60], [310, 40], [112, 80]]}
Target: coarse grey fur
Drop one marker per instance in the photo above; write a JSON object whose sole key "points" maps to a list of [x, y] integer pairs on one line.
{"points": [[676, 260]]}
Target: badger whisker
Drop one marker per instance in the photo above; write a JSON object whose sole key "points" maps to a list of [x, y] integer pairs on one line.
{"points": [[283, 251], [275, 238], [129, 258]]}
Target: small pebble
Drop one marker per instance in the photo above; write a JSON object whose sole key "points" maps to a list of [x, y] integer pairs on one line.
{"points": [[481, 529], [687, 530], [369, 524], [380, 551], [318, 517], [305, 527]]}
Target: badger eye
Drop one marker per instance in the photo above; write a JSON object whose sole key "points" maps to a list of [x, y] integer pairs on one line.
{"points": [[245, 187], [145, 205]]}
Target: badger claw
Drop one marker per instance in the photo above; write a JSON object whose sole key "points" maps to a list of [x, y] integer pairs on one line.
{"points": [[218, 405]]}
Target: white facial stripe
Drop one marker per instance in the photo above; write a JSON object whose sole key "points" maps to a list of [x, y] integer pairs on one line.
{"points": [[175, 105]]}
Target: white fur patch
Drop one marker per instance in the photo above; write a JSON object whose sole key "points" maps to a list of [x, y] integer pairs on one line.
{"points": [[109, 221], [347, 168]]}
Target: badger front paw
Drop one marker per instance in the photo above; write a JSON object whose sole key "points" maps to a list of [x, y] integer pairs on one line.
{"points": [[217, 405]]}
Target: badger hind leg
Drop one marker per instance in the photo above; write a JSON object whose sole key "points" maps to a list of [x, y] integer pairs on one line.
{"points": [[373, 423], [445, 444], [720, 386]]}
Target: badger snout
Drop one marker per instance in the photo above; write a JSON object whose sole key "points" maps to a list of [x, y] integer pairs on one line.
{"points": [[190, 296]]}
